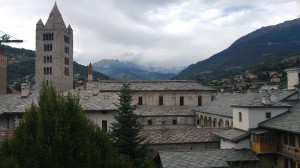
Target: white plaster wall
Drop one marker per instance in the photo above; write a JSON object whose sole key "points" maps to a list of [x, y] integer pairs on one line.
{"points": [[252, 116], [244, 124], [225, 144], [98, 117], [257, 115]]}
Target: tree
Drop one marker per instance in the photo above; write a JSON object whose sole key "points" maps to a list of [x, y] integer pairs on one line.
{"points": [[57, 134], [126, 129]]}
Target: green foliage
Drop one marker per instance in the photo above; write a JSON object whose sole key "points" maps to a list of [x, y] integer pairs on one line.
{"points": [[125, 130], [18, 86], [57, 134]]}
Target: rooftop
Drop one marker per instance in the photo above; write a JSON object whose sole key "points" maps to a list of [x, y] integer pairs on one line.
{"points": [[233, 135], [289, 122], [162, 85], [205, 158], [224, 101], [178, 136]]}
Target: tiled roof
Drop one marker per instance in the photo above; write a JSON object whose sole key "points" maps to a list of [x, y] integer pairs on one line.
{"points": [[205, 158], [163, 85], [222, 104], [232, 134], [289, 121], [12, 103], [164, 110], [175, 136]]}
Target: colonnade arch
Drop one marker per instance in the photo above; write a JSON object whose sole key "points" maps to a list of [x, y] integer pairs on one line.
{"points": [[209, 121]]}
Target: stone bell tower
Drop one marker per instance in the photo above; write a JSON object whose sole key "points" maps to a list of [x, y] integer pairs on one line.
{"points": [[54, 52]]}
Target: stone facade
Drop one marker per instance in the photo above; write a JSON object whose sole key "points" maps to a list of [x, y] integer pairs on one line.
{"points": [[54, 52], [3, 80]]}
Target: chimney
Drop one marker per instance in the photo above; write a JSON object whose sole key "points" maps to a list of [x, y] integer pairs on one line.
{"points": [[24, 90], [90, 73], [266, 100], [293, 77]]}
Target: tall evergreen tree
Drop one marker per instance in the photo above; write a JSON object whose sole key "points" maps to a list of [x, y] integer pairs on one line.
{"points": [[57, 134], [126, 129]]}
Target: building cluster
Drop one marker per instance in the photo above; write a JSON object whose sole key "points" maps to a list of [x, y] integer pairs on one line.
{"points": [[185, 123]]}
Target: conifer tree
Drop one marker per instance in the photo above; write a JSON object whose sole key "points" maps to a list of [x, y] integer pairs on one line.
{"points": [[57, 134], [126, 129]]}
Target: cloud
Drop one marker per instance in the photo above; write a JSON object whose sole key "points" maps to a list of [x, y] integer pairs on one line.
{"points": [[156, 32]]}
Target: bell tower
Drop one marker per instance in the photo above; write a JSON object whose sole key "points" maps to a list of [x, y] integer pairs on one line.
{"points": [[54, 52]]}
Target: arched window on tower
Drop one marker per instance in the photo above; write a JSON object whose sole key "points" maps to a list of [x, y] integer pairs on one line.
{"points": [[44, 59], [47, 37], [50, 49], [44, 71], [45, 47], [50, 58], [47, 70], [50, 70]]}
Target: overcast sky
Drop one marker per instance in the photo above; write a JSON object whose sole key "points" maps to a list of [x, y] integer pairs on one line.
{"points": [[149, 32]]}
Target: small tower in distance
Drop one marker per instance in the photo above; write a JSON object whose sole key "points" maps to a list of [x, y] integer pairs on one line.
{"points": [[54, 52], [3, 79], [90, 73]]}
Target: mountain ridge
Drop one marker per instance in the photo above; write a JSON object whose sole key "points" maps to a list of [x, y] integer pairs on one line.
{"points": [[117, 69], [271, 43]]}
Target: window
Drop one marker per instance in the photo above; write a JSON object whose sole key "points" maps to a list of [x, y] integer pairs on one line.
{"points": [[199, 100], [161, 100], [268, 114], [44, 59], [174, 122], [140, 100], [198, 122], [104, 125], [299, 142], [292, 139], [289, 139], [240, 116], [149, 122], [104, 112], [181, 101], [289, 163], [213, 98]]}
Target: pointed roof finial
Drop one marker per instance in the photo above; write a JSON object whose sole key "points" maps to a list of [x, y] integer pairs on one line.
{"points": [[55, 18]]}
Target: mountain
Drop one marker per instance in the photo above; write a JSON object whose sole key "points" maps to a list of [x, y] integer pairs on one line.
{"points": [[21, 63], [265, 48], [117, 69]]}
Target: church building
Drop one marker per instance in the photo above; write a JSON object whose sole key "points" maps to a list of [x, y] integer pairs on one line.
{"points": [[54, 52]]}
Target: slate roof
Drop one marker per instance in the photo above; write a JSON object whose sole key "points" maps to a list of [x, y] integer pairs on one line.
{"points": [[162, 85], [204, 158], [12, 103], [289, 121], [178, 136], [224, 101], [233, 135], [164, 110]]}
